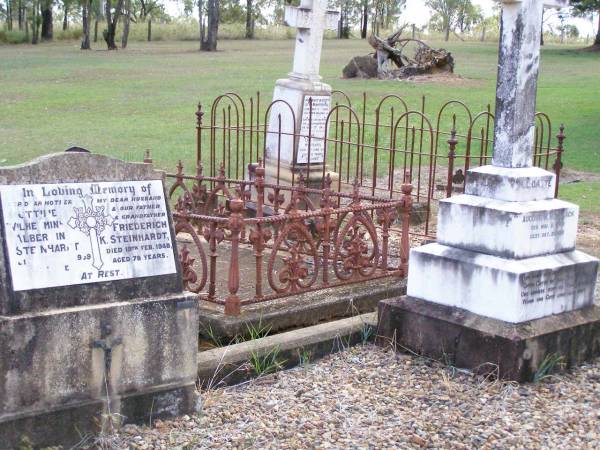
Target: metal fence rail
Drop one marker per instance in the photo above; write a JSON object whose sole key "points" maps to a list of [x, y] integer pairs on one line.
{"points": [[381, 146], [296, 246]]}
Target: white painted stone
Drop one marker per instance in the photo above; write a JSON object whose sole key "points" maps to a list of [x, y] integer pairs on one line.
{"points": [[511, 184], [507, 229], [510, 290], [519, 59], [290, 106], [313, 129], [291, 97], [77, 233], [312, 18]]}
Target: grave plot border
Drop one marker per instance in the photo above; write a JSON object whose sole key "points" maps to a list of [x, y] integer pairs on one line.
{"points": [[380, 146], [299, 247]]}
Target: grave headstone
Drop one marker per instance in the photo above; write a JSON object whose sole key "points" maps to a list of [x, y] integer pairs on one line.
{"points": [[504, 283], [94, 325], [301, 103]]}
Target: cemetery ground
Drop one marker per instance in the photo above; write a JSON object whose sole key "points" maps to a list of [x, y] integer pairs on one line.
{"points": [[121, 103], [366, 397], [374, 398]]}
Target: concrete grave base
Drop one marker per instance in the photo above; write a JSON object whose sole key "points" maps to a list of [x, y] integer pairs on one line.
{"points": [[511, 184], [287, 175], [55, 392], [512, 290], [507, 229], [467, 340], [78, 423], [297, 311]]}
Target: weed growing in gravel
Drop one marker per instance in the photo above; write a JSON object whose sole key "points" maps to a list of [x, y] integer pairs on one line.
{"points": [[257, 330], [366, 332], [551, 363], [303, 357], [266, 363], [212, 336]]}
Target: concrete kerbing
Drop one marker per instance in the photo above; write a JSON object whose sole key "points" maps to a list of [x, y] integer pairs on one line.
{"points": [[308, 309], [230, 365]]}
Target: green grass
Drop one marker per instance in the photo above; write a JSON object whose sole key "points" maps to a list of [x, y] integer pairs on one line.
{"points": [[53, 96], [586, 194]]}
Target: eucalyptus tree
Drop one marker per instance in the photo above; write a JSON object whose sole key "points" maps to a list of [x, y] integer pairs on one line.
{"points": [[209, 41], [112, 15], [450, 14], [47, 20], [587, 8], [85, 19]]}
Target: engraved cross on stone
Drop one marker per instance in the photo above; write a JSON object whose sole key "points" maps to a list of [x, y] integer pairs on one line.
{"points": [[91, 221], [311, 18], [107, 343], [518, 67]]}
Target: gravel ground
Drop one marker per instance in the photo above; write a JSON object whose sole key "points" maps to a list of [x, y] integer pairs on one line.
{"points": [[373, 398]]}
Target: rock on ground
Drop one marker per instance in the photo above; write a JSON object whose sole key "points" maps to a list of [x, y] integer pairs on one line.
{"points": [[374, 398], [361, 67]]}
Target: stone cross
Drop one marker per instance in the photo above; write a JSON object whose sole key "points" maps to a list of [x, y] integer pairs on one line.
{"points": [[519, 58], [311, 18]]}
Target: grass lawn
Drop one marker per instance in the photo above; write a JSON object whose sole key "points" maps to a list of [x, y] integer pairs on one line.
{"points": [[53, 96]]}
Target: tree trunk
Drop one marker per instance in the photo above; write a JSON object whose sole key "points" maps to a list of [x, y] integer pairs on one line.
{"points": [[34, 22], [414, 31], [47, 31], [149, 29], [111, 23], [365, 20], [26, 24], [20, 14], [126, 22], [96, 29], [447, 33], [542, 29], [210, 43], [65, 18], [201, 21], [9, 15], [482, 39], [249, 20], [85, 17], [345, 26], [597, 40]]}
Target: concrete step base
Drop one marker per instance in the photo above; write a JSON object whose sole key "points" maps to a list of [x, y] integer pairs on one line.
{"points": [[233, 364], [489, 346]]}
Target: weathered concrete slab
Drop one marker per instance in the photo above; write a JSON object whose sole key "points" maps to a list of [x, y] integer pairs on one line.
{"points": [[467, 340], [514, 230], [301, 310], [513, 290], [230, 365], [511, 184]]}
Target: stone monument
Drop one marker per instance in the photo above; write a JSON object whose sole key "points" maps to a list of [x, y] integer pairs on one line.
{"points": [[301, 102], [503, 284], [95, 328]]}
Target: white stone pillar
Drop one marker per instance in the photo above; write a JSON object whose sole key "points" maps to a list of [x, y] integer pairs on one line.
{"points": [[519, 60]]}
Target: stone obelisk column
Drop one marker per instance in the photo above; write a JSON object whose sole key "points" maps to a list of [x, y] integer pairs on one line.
{"points": [[503, 286]]}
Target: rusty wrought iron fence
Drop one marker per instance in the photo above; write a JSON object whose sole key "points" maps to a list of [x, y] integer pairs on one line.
{"points": [[292, 246], [380, 144]]}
